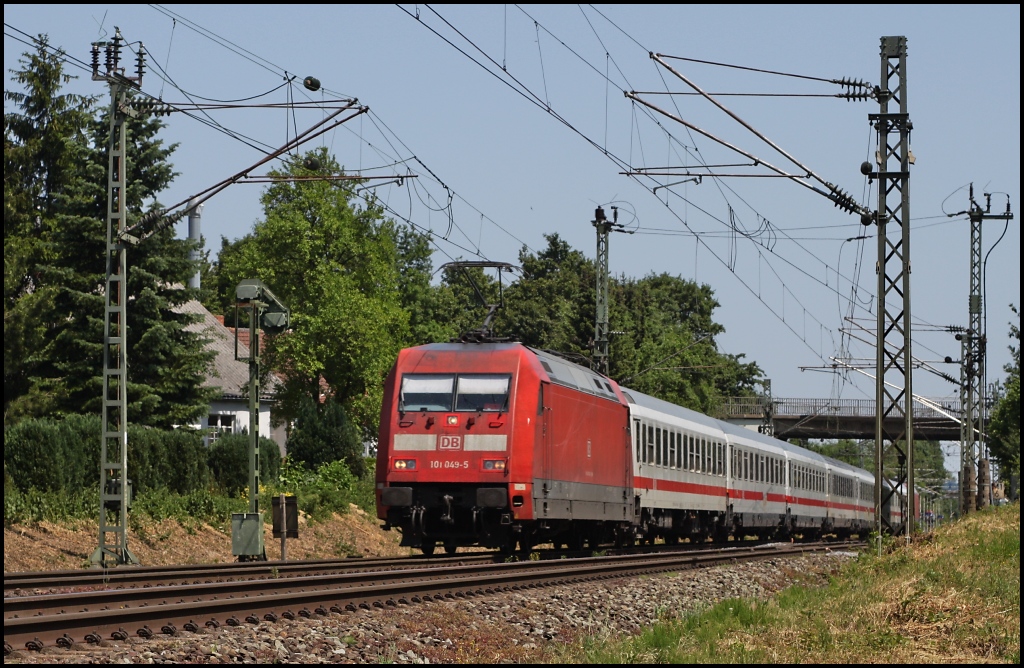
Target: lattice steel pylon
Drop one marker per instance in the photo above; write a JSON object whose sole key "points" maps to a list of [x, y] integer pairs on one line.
{"points": [[115, 486], [893, 360]]}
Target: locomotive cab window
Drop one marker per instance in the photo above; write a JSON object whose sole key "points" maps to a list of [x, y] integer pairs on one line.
{"points": [[426, 392], [482, 392], [445, 392]]}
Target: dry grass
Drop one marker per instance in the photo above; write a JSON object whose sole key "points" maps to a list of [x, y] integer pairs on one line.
{"points": [[48, 546]]}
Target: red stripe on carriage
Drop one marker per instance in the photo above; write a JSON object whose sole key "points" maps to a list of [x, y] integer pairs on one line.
{"points": [[676, 486]]}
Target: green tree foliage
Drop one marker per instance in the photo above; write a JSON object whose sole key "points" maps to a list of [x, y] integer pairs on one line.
{"points": [[337, 263], [422, 301], [668, 346], [60, 201], [553, 305], [1004, 425], [323, 435]]}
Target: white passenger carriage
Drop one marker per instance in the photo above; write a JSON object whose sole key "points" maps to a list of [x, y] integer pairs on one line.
{"points": [[679, 470], [757, 481], [851, 500], [697, 477]]}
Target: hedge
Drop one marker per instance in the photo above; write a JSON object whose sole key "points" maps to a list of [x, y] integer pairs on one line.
{"points": [[62, 455]]}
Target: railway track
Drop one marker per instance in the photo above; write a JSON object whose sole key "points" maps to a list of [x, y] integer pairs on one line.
{"points": [[37, 582], [37, 621]]}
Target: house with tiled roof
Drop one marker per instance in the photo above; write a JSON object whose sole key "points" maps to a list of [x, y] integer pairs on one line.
{"points": [[229, 411]]}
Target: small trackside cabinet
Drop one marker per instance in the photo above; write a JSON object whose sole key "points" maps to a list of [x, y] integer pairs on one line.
{"points": [[247, 534]]}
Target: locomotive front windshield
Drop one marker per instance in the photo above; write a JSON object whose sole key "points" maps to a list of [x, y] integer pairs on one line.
{"points": [[476, 392]]}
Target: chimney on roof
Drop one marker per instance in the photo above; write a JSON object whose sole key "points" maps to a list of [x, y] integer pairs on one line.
{"points": [[195, 219]]}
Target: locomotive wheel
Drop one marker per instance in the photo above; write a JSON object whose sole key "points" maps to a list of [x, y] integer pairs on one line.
{"points": [[428, 547], [450, 547]]}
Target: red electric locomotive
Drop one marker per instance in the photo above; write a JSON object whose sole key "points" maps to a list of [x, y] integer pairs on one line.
{"points": [[494, 444]]}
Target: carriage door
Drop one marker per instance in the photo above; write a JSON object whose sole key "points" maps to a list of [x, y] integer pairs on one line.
{"points": [[635, 438], [545, 438]]}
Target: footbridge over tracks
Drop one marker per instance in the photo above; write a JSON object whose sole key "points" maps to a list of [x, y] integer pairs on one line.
{"points": [[934, 419]]}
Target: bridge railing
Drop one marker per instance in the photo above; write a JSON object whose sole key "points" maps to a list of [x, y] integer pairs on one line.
{"points": [[738, 407]]}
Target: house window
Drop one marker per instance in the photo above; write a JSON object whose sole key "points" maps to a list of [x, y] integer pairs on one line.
{"points": [[220, 424]]}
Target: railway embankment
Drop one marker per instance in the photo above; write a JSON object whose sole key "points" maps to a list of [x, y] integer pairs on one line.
{"points": [[952, 596]]}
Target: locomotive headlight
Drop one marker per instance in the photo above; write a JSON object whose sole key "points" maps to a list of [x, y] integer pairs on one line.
{"points": [[494, 464], [404, 465], [452, 420]]}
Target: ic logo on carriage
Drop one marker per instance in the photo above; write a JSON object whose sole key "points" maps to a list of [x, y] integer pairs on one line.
{"points": [[449, 443]]}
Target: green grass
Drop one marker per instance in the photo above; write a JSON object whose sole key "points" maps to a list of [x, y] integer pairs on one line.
{"points": [[953, 596]]}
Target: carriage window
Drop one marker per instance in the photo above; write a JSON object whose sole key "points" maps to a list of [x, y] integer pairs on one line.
{"points": [[423, 392], [657, 447], [482, 392], [650, 445]]}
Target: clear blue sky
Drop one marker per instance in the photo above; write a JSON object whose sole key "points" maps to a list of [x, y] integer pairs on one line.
{"points": [[524, 151]]}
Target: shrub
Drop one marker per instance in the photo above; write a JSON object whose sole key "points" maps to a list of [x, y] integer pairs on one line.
{"points": [[229, 462], [325, 434]]}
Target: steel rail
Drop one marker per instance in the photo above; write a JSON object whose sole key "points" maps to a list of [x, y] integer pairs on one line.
{"points": [[196, 573]]}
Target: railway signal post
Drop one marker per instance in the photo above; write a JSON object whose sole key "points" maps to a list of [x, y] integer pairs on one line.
{"points": [[601, 333], [268, 313]]}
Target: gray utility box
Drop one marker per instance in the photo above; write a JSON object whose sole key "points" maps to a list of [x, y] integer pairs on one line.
{"points": [[247, 534]]}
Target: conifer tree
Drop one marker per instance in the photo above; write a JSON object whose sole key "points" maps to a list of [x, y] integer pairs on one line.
{"points": [[64, 203]]}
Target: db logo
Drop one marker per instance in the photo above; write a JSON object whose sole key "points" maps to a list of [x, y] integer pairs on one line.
{"points": [[450, 443]]}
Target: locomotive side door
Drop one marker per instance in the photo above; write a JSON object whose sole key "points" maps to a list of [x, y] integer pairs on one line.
{"points": [[632, 470]]}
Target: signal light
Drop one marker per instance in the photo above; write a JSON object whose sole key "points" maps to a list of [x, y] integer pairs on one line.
{"points": [[494, 464], [404, 465]]}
